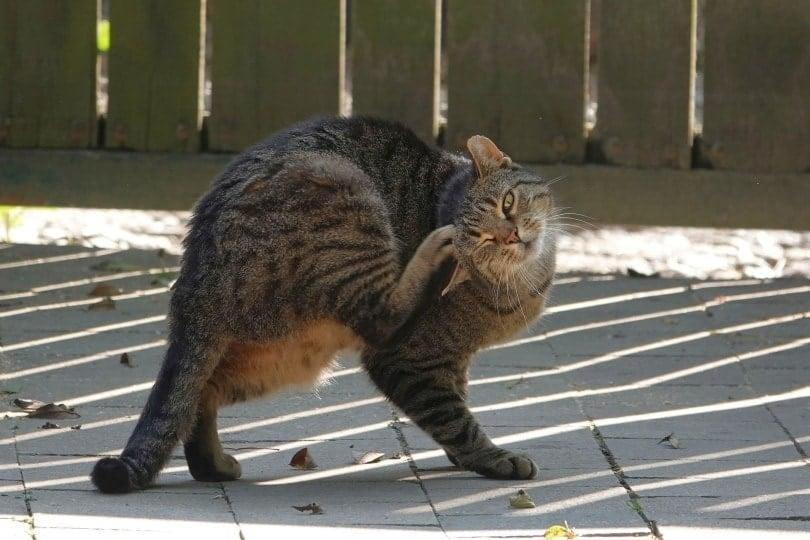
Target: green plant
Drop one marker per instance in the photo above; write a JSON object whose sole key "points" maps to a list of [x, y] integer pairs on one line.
{"points": [[10, 216]]}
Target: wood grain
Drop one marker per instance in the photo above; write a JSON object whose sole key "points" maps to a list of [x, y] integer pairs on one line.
{"points": [[154, 75], [393, 68], [275, 62], [757, 90], [517, 74], [646, 80], [47, 69]]}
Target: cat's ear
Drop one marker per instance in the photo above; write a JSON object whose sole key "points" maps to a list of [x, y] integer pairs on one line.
{"points": [[487, 157], [460, 275]]}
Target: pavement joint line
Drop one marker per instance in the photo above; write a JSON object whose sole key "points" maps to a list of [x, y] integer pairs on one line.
{"points": [[620, 476], [231, 509], [26, 494], [406, 451], [748, 382]]}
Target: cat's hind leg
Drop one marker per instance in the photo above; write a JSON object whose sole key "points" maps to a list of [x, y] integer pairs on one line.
{"points": [[169, 413], [206, 459]]}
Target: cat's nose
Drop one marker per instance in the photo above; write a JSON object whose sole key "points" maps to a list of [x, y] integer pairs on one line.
{"points": [[507, 233]]}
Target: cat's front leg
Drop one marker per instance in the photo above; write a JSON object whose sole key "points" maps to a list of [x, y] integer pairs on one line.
{"points": [[377, 308], [430, 254], [432, 402]]}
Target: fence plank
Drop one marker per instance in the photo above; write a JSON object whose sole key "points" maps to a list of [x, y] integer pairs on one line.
{"points": [[393, 61], [517, 73], [154, 75], [646, 76], [274, 62], [48, 65], [757, 111]]}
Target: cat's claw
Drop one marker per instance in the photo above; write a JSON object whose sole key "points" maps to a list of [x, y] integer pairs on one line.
{"points": [[221, 468], [507, 466]]}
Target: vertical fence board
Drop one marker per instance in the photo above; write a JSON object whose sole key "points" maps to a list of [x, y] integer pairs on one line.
{"points": [[517, 74], [47, 66], [154, 75], [393, 61], [757, 88], [274, 62], [646, 75], [6, 68]]}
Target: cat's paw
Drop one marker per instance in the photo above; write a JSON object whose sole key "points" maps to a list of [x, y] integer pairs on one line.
{"points": [[440, 244], [219, 468], [506, 465]]}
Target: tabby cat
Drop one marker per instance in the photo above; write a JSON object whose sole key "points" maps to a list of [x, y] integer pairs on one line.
{"points": [[346, 233]]}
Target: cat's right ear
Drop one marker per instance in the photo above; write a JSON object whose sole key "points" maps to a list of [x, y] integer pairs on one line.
{"points": [[487, 157]]}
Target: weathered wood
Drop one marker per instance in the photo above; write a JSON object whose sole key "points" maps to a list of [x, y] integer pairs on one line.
{"points": [[646, 80], [517, 73], [394, 71], [623, 195], [275, 62], [757, 88], [47, 69], [154, 75]]}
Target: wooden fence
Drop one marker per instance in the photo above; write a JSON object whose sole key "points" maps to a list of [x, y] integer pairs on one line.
{"points": [[515, 70]]}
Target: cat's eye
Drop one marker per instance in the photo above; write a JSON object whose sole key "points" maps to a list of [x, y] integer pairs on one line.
{"points": [[508, 201]]}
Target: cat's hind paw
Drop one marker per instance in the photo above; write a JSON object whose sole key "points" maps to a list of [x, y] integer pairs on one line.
{"points": [[219, 468]]}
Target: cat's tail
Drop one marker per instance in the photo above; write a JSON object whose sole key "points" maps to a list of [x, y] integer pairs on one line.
{"points": [[167, 418]]}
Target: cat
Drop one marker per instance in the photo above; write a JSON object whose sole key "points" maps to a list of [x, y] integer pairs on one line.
{"points": [[346, 233]]}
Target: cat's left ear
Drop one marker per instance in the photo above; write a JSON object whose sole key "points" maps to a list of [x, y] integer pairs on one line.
{"points": [[460, 275], [487, 157]]}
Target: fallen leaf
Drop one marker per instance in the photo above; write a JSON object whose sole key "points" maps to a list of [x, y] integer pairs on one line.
{"points": [[363, 458], [125, 360], [671, 440], [302, 460], [559, 532], [49, 425], [38, 409], [312, 508], [76, 427], [632, 272], [395, 455], [28, 405], [113, 265], [103, 304], [104, 289], [521, 500]]}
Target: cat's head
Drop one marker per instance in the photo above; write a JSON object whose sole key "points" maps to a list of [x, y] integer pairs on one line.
{"points": [[503, 223]]}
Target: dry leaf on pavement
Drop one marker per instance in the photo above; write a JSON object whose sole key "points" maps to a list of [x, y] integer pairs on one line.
{"points": [[303, 460]]}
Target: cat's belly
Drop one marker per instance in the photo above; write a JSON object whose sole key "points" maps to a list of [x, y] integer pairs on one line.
{"points": [[253, 369]]}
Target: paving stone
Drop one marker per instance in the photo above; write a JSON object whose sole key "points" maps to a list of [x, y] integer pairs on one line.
{"points": [[12, 501], [183, 513], [345, 504], [737, 470]]}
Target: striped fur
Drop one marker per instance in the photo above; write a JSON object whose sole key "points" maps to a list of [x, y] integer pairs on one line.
{"points": [[335, 234]]}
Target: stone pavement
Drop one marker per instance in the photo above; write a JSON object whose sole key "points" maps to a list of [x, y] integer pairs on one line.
{"points": [[616, 365]]}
